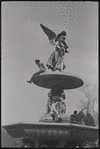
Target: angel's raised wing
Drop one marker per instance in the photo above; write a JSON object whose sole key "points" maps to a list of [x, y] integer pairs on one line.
{"points": [[51, 35]]}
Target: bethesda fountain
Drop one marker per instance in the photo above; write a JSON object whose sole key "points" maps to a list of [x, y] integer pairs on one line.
{"points": [[52, 130]]}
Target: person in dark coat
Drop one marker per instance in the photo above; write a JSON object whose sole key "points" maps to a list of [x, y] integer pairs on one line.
{"points": [[73, 118], [89, 120], [79, 117]]}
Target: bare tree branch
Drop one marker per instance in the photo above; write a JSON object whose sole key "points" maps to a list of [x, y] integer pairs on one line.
{"points": [[93, 90], [91, 99]]}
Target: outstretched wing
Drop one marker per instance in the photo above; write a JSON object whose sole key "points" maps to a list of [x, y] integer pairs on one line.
{"points": [[51, 35]]}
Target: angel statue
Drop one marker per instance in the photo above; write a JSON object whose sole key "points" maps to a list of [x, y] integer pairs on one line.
{"points": [[56, 60]]}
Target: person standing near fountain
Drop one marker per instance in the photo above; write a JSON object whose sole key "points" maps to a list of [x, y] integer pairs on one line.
{"points": [[80, 117], [73, 117], [89, 120], [42, 69]]}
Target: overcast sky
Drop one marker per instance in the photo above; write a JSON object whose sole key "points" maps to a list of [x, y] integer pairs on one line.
{"points": [[23, 41]]}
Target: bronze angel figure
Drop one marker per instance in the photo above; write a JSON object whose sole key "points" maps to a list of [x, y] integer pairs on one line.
{"points": [[56, 60]]}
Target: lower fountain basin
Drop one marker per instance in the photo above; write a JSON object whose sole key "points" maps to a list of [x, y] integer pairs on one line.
{"points": [[59, 133]]}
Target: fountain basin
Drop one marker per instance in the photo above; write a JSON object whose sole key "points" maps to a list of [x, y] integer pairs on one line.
{"points": [[53, 132], [62, 80]]}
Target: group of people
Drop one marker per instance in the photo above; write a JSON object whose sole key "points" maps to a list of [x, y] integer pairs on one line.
{"points": [[56, 106], [80, 118]]}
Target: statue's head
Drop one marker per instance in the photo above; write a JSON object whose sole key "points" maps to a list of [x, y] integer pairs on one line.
{"points": [[63, 95], [50, 94], [61, 36]]}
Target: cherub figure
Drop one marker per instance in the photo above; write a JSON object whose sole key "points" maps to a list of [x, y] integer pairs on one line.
{"points": [[56, 60], [49, 102]]}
